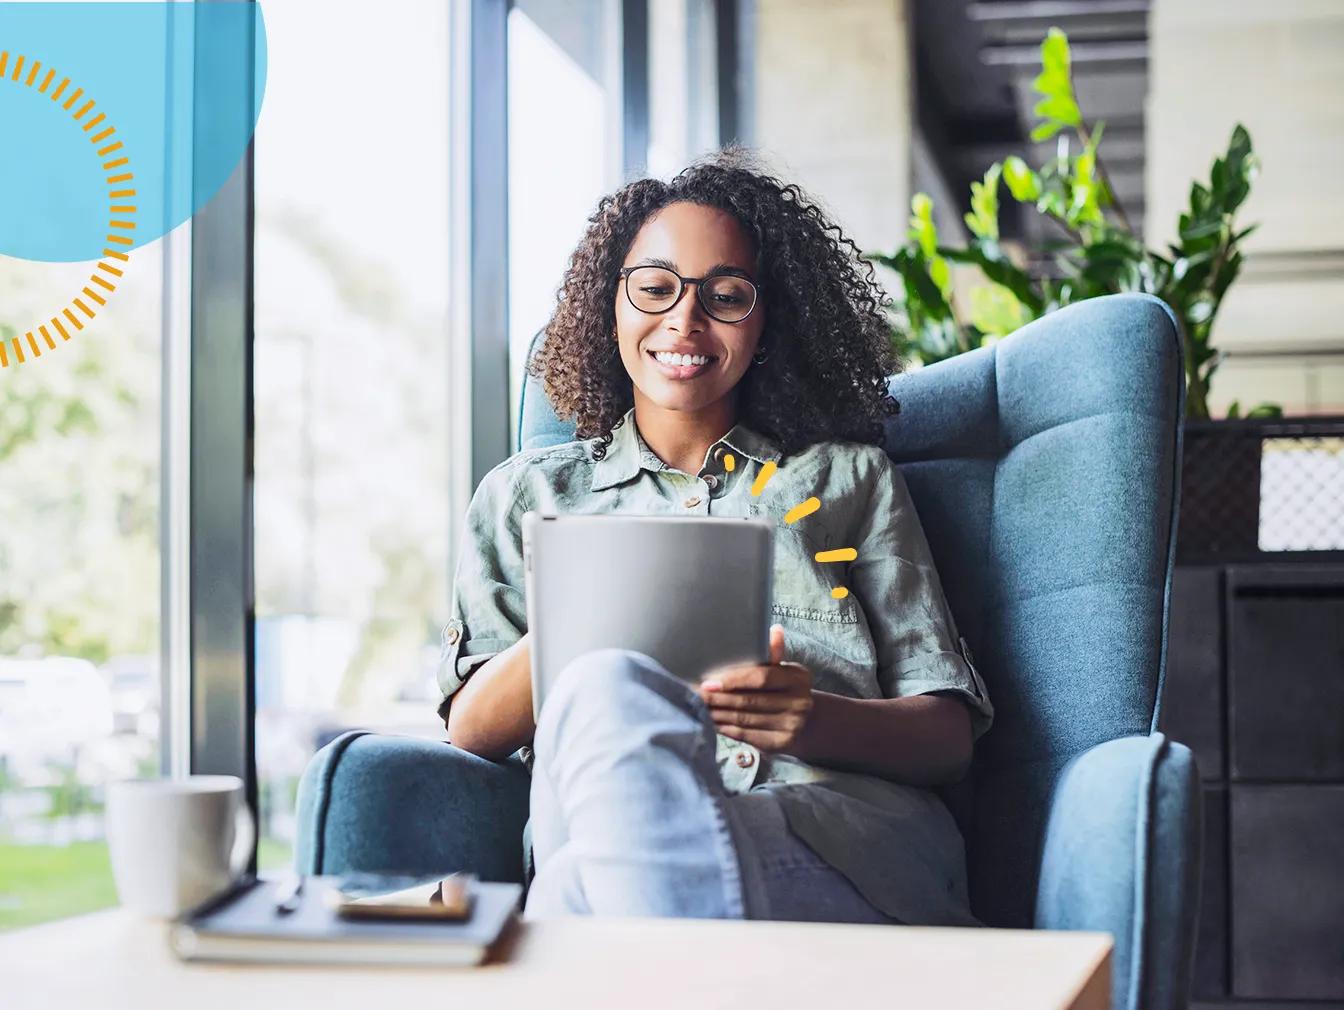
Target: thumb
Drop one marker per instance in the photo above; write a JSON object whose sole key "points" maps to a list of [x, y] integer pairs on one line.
{"points": [[776, 643]]}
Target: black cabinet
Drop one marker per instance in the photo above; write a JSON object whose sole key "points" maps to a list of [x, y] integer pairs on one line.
{"points": [[1255, 687]]}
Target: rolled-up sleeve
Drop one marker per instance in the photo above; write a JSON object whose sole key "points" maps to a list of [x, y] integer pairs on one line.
{"points": [[489, 611], [919, 650]]}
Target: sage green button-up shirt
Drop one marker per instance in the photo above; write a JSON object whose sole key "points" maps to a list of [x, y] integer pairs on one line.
{"points": [[891, 636]]}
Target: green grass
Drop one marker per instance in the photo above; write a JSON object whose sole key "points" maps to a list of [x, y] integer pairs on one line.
{"points": [[39, 883]]}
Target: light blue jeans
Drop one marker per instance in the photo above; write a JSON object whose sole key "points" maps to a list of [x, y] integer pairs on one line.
{"points": [[630, 817]]}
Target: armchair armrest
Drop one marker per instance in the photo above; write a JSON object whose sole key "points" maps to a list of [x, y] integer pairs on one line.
{"points": [[369, 802], [1121, 855]]}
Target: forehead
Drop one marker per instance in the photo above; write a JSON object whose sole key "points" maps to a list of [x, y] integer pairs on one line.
{"points": [[694, 238]]}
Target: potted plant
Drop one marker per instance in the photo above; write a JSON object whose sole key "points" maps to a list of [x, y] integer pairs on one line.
{"points": [[1096, 253]]}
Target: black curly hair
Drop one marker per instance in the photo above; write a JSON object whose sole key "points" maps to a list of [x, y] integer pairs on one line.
{"points": [[826, 337]]}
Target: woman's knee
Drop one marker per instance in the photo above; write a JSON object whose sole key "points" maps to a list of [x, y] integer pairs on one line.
{"points": [[609, 689], [609, 673]]}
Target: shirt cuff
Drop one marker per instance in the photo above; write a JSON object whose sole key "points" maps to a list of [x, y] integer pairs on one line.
{"points": [[947, 671]]}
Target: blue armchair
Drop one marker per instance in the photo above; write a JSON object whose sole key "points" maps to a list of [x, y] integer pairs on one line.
{"points": [[1046, 474]]}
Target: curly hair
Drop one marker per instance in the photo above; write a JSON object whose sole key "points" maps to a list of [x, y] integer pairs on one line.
{"points": [[827, 337]]}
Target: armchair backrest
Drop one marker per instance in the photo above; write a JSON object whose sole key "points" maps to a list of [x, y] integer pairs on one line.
{"points": [[1045, 469]]}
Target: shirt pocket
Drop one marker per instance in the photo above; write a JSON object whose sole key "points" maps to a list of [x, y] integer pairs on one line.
{"points": [[803, 586]]}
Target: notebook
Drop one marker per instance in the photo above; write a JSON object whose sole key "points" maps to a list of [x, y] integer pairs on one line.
{"points": [[243, 925]]}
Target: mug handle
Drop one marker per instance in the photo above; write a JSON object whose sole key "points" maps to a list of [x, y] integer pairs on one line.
{"points": [[244, 838]]}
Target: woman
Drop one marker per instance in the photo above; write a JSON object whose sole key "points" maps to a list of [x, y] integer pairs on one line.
{"points": [[707, 330]]}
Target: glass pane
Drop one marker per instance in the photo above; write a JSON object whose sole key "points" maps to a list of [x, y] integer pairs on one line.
{"points": [[79, 579], [564, 150], [350, 371]]}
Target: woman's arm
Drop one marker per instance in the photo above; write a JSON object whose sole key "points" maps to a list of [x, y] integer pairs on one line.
{"points": [[491, 715], [924, 740]]}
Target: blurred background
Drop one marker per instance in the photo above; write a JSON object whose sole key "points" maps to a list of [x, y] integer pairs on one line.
{"points": [[328, 359]]}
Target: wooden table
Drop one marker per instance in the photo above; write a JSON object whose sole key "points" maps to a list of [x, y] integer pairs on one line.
{"points": [[110, 960]]}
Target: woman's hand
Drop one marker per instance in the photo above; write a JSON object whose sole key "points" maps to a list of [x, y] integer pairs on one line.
{"points": [[765, 705]]}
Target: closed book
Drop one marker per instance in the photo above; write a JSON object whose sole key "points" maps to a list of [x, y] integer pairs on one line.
{"points": [[243, 925]]}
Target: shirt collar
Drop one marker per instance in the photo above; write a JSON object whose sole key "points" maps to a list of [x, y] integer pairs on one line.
{"points": [[629, 453]]}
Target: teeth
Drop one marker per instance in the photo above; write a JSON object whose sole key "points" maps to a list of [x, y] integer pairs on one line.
{"points": [[681, 359]]}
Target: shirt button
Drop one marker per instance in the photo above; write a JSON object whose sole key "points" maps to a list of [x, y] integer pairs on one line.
{"points": [[451, 636], [692, 502], [745, 759], [711, 481], [719, 453]]}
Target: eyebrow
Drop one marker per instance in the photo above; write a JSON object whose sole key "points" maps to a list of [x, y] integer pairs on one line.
{"points": [[717, 268]]}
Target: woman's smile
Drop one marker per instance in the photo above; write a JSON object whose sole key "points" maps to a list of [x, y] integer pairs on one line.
{"points": [[682, 366]]}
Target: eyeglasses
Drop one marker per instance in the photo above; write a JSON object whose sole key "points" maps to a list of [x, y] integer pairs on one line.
{"points": [[654, 290]]}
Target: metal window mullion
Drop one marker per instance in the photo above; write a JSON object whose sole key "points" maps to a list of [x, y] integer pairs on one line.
{"points": [[221, 582], [488, 227], [635, 87]]}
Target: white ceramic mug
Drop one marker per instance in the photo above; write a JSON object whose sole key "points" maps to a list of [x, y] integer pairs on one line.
{"points": [[175, 843]]}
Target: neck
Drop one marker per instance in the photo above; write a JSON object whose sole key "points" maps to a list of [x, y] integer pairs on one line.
{"points": [[681, 438]]}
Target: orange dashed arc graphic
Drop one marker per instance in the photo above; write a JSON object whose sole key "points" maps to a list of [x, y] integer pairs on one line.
{"points": [[121, 212], [803, 508]]}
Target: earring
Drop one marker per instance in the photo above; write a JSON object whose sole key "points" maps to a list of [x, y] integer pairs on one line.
{"points": [[760, 356]]}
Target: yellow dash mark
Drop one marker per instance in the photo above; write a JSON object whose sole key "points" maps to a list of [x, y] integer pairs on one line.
{"points": [[805, 508], [47, 337], [59, 328], [839, 593], [116, 164], [4, 356], [71, 316], [839, 554], [102, 135], [120, 178], [32, 74], [37, 351], [18, 68], [729, 461], [116, 255], [124, 208], [18, 351], [72, 99], [94, 122], [121, 239], [61, 87], [94, 295], [85, 108], [4, 59], [110, 269], [128, 225], [763, 478], [84, 308], [117, 194], [102, 283], [109, 149], [51, 74]]}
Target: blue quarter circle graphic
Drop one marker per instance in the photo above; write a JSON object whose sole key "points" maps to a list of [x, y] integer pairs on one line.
{"points": [[181, 84]]}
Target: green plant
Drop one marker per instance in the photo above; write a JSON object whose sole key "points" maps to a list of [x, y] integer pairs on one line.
{"points": [[1097, 252]]}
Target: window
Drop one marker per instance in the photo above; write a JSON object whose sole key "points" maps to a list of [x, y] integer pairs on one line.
{"points": [[564, 116], [79, 581], [351, 364]]}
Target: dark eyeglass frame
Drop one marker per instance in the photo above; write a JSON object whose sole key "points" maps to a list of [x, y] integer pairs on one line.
{"points": [[699, 282]]}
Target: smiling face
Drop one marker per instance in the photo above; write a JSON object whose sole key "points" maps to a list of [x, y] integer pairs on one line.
{"points": [[694, 241]]}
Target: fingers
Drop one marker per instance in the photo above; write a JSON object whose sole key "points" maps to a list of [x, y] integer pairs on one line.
{"points": [[776, 643], [757, 701], [787, 723], [778, 677]]}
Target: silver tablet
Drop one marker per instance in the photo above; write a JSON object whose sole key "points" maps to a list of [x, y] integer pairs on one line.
{"points": [[693, 593]]}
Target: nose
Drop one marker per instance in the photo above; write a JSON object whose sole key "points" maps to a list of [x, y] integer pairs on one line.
{"points": [[688, 314]]}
